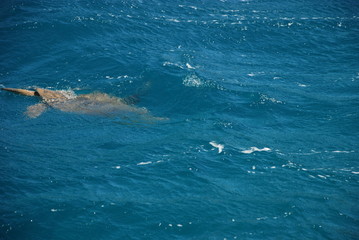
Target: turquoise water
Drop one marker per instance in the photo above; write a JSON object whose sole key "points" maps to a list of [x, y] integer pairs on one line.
{"points": [[262, 137]]}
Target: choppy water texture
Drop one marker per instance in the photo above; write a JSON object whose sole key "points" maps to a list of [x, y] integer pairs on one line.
{"points": [[262, 136]]}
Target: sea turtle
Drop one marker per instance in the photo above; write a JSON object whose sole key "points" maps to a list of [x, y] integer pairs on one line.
{"points": [[94, 103]]}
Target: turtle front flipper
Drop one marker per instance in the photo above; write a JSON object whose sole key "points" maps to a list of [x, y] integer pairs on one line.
{"points": [[36, 110], [21, 91]]}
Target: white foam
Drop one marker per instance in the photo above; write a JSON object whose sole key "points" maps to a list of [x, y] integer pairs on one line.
{"points": [[265, 98], [189, 66], [144, 163], [56, 210], [124, 76], [173, 20], [255, 149], [192, 81], [69, 94], [338, 151], [355, 172], [216, 145], [172, 64]]}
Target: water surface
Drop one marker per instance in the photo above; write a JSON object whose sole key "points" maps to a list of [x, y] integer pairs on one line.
{"points": [[262, 136]]}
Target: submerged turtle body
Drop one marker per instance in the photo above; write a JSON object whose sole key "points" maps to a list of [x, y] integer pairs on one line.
{"points": [[94, 103]]}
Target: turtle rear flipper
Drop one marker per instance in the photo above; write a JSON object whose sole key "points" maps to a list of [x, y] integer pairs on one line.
{"points": [[36, 110]]}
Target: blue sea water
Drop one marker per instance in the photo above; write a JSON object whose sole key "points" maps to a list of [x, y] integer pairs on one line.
{"points": [[261, 140]]}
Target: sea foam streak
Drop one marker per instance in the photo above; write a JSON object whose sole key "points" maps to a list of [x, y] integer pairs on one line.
{"points": [[216, 145], [144, 163], [255, 149]]}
